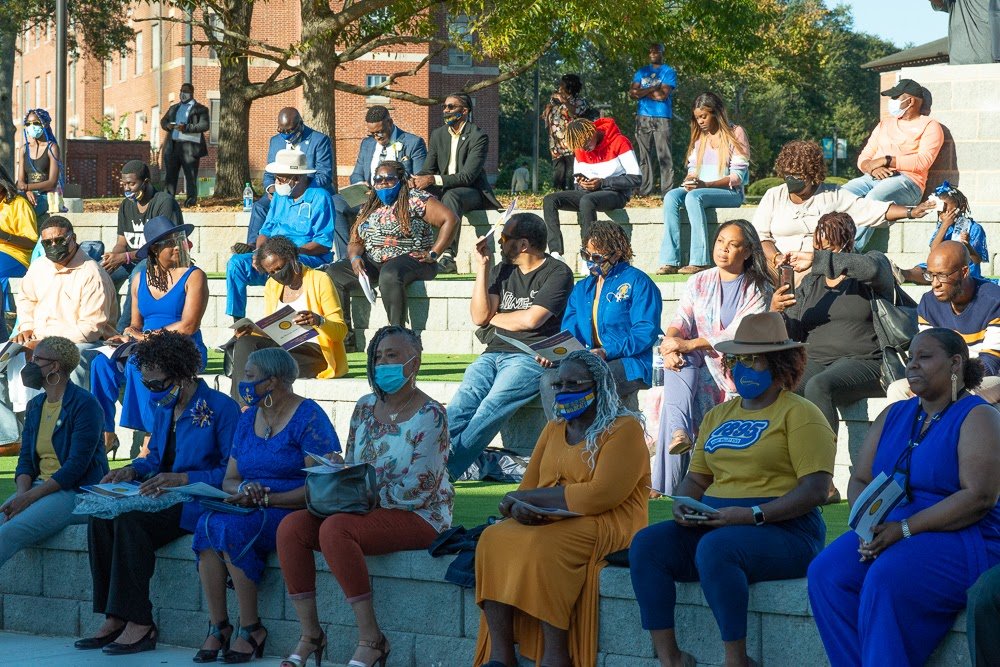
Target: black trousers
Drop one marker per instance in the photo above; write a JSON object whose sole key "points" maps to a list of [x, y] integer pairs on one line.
{"points": [[460, 200], [585, 203], [182, 156], [562, 172], [844, 381], [122, 559], [307, 355], [392, 277]]}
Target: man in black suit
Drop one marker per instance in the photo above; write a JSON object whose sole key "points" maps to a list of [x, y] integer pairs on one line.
{"points": [[454, 169], [185, 123]]}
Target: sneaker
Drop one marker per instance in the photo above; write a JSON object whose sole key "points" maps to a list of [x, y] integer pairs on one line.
{"points": [[666, 270], [241, 248], [691, 269], [446, 264], [556, 255]]}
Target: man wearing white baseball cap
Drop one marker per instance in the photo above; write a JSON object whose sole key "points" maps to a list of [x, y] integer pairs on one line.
{"points": [[300, 213]]}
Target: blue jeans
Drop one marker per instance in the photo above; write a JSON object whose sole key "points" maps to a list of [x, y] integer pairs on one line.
{"points": [[898, 189], [341, 227], [694, 202], [240, 274], [41, 519], [725, 560], [494, 387], [126, 273]]}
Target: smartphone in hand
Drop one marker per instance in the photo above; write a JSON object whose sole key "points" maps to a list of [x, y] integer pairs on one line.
{"points": [[786, 276]]}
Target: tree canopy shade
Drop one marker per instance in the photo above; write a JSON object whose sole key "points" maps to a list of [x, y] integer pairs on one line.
{"points": [[98, 22]]}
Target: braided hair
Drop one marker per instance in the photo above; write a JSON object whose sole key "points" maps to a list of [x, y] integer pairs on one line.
{"points": [[578, 133], [609, 404], [377, 339], [374, 203], [837, 229]]}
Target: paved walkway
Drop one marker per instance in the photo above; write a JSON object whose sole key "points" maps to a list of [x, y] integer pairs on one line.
{"points": [[17, 650]]}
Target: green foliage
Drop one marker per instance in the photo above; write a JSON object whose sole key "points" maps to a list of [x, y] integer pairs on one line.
{"points": [[758, 188], [100, 23], [113, 130]]}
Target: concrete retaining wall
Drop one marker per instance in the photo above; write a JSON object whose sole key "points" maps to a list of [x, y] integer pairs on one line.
{"points": [[46, 590]]}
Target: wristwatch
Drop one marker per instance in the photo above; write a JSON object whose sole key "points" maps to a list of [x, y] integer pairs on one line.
{"points": [[758, 515], [888, 161], [433, 255], [909, 211]]}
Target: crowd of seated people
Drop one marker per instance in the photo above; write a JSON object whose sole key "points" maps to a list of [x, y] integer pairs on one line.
{"points": [[747, 420]]}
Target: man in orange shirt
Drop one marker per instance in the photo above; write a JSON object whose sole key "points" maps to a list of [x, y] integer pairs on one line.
{"points": [[899, 152]]}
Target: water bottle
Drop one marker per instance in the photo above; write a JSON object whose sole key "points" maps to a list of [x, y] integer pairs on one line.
{"points": [[247, 198], [961, 226], [658, 363]]}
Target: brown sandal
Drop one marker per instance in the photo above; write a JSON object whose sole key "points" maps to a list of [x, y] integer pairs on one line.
{"points": [[382, 646]]}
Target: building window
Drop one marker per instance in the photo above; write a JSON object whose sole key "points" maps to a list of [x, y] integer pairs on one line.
{"points": [[154, 38], [19, 110], [214, 110], [107, 73], [458, 31], [49, 95], [154, 132], [38, 91], [216, 23], [140, 125], [138, 53], [123, 67], [71, 82], [27, 96], [373, 80], [37, 34]]}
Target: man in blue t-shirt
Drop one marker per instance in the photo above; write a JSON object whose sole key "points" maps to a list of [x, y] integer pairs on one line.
{"points": [[653, 87]]}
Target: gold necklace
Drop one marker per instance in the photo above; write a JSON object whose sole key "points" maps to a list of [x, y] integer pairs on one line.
{"points": [[393, 415]]}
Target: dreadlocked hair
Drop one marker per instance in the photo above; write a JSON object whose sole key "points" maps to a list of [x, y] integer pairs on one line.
{"points": [[609, 404], [173, 353], [578, 133], [8, 189], [835, 230], [156, 276], [374, 203], [960, 200], [609, 238], [377, 339]]}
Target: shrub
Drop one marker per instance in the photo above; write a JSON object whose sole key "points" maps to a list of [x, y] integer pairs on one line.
{"points": [[758, 188]]}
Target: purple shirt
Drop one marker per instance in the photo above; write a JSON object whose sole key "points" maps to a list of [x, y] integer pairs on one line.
{"points": [[732, 298]]}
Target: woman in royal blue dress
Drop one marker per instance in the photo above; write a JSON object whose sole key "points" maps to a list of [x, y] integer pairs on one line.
{"points": [[171, 293], [895, 604], [265, 473]]}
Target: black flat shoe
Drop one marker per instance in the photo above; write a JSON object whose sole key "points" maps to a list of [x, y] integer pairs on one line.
{"points": [[147, 643], [232, 657], [91, 643], [217, 631]]}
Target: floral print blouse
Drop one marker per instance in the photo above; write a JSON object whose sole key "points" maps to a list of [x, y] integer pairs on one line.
{"points": [[383, 236], [409, 458]]}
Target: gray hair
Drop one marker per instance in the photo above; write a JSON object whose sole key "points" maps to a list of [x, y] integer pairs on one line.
{"points": [[275, 362], [609, 404], [64, 351]]}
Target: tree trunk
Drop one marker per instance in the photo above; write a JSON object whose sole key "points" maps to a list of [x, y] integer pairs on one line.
{"points": [[235, 96], [8, 38], [319, 71]]}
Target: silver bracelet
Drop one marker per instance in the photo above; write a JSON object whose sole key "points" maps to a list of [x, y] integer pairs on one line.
{"points": [[239, 489], [906, 529]]}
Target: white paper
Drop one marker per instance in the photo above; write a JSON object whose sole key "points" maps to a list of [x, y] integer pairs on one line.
{"points": [[366, 287], [201, 489], [546, 511], [501, 221], [874, 504], [696, 505], [106, 350]]}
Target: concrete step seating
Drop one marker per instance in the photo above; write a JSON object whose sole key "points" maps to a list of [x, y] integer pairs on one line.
{"points": [[46, 590]]}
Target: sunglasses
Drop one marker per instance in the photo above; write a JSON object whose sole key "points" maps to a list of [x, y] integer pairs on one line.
{"points": [[36, 123], [940, 277], [157, 385], [378, 135], [60, 240], [503, 238], [571, 385], [452, 107], [730, 360], [388, 181], [594, 257]]}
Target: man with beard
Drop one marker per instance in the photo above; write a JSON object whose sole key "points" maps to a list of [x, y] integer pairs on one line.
{"points": [[969, 306], [522, 298]]}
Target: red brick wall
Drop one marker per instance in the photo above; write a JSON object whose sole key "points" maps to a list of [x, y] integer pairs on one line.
{"points": [[96, 165]]}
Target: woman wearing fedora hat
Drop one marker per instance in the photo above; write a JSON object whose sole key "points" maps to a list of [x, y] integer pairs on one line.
{"points": [[759, 472], [171, 293]]}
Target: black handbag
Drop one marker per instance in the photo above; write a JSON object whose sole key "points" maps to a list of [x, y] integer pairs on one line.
{"points": [[895, 323], [350, 490]]}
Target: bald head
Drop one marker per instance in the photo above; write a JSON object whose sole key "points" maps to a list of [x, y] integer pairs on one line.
{"points": [[289, 120], [948, 266], [948, 257]]}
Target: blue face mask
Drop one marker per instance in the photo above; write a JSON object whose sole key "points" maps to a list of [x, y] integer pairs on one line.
{"points": [[166, 398], [751, 383], [36, 131], [390, 378], [571, 404], [292, 136], [596, 269], [388, 196], [131, 195], [248, 392]]}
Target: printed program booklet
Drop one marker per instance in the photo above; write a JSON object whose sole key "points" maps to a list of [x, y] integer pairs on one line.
{"points": [[547, 511], [874, 504], [113, 489], [554, 348], [9, 350], [279, 327]]}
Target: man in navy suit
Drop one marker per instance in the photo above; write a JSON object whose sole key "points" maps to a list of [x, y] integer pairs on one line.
{"points": [[293, 133], [392, 144]]}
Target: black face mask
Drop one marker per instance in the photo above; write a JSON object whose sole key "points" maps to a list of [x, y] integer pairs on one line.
{"points": [[57, 253], [795, 185], [31, 376], [286, 274]]}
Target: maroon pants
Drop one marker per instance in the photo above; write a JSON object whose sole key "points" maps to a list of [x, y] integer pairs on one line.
{"points": [[345, 540]]}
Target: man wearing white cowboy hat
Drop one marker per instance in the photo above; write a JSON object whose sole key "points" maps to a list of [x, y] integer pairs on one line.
{"points": [[302, 214]]}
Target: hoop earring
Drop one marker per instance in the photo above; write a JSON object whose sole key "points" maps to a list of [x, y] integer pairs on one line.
{"points": [[50, 374], [954, 387], [268, 401]]}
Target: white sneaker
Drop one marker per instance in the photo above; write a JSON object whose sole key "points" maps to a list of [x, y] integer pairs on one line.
{"points": [[556, 255]]}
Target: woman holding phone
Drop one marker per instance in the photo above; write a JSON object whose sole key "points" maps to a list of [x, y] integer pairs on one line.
{"points": [[763, 462]]}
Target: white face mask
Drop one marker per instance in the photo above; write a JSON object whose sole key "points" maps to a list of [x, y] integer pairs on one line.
{"points": [[896, 109], [283, 189]]}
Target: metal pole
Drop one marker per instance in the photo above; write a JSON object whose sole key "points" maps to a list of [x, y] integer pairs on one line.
{"points": [[62, 69], [534, 138], [834, 151], [188, 52]]}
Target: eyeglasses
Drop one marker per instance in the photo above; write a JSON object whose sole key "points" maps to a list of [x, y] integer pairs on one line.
{"points": [[594, 257], [939, 277], [730, 360], [161, 384], [281, 178], [450, 107], [285, 130], [59, 240], [388, 181], [38, 359], [378, 135], [503, 238], [36, 123]]}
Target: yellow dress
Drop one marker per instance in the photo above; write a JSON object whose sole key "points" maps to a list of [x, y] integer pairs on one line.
{"points": [[551, 572]]}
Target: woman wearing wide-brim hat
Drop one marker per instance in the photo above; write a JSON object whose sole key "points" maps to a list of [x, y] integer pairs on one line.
{"points": [[763, 461], [170, 293]]}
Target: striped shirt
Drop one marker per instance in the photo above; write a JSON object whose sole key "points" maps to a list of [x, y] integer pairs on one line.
{"points": [[978, 324]]}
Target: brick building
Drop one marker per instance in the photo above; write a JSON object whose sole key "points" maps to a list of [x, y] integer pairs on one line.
{"points": [[137, 89]]}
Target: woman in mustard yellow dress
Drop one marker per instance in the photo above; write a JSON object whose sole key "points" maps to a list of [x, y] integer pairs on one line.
{"points": [[537, 575]]}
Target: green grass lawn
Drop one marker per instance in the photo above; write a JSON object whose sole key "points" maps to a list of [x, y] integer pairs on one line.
{"points": [[433, 367]]}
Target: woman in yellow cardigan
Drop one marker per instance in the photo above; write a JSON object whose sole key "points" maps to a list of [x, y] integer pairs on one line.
{"points": [[312, 295]]}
